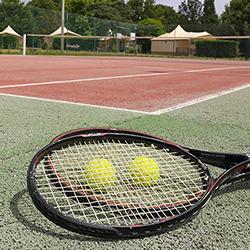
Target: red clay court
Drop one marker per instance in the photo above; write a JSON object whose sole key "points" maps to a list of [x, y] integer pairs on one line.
{"points": [[150, 85]]}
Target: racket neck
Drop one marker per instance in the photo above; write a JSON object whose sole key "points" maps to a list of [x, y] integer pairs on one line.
{"points": [[221, 160]]}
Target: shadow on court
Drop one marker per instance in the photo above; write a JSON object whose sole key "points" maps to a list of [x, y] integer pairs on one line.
{"points": [[24, 211]]}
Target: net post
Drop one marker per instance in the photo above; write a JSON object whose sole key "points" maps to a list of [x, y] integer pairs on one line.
{"points": [[24, 44], [62, 25]]}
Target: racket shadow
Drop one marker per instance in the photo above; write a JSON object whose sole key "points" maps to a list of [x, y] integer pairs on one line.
{"points": [[24, 211], [230, 188]]}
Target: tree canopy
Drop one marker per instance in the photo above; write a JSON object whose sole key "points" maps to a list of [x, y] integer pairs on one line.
{"points": [[191, 11], [16, 14], [97, 16], [209, 14], [237, 15]]}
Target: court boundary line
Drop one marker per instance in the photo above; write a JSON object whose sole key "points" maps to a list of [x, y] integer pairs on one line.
{"points": [[157, 112], [117, 77], [200, 100], [75, 103]]}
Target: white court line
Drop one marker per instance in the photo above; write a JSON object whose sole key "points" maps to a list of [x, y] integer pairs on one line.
{"points": [[158, 112], [76, 103], [199, 100], [118, 77], [155, 68]]}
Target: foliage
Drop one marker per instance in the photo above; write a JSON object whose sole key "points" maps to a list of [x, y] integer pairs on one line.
{"points": [[148, 9], [237, 14], [44, 21], [245, 48], [150, 26], [46, 4], [136, 9], [216, 48], [104, 9], [76, 44], [209, 14], [144, 46], [167, 15], [14, 13], [8, 42], [191, 11]]}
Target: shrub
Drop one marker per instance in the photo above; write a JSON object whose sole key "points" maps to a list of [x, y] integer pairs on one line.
{"points": [[217, 48], [245, 48], [8, 42]]}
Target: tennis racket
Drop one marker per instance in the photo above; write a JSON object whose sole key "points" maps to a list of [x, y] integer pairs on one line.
{"points": [[221, 160], [124, 184]]}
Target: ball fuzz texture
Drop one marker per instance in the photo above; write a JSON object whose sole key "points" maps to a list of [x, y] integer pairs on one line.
{"points": [[144, 171], [99, 174]]}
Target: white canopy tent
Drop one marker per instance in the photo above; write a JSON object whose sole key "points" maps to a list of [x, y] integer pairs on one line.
{"points": [[66, 32], [9, 31], [180, 34], [177, 41]]}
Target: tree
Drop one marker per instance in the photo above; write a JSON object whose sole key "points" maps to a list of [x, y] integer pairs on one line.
{"points": [[14, 13], [167, 15], [148, 9], [191, 11], [209, 13], [237, 15], [103, 9], [123, 9], [136, 9], [45, 4], [45, 16], [150, 27]]}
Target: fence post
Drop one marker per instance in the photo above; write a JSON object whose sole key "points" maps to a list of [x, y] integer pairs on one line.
{"points": [[24, 44]]}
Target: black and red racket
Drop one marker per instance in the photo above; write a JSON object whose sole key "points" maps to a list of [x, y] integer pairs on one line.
{"points": [[138, 185]]}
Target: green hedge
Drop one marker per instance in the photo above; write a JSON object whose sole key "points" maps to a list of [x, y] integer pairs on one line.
{"points": [[245, 48], [144, 46], [216, 48], [8, 42], [76, 44]]}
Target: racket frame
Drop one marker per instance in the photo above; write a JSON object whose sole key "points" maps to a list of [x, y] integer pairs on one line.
{"points": [[137, 230], [221, 160]]}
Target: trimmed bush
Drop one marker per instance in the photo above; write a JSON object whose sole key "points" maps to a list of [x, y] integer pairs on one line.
{"points": [[1, 42], [144, 45], [76, 44], [216, 48], [8, 42], [245, 48]]}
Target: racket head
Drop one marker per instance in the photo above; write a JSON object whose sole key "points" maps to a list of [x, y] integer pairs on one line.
{"points": [[144, 215], [220, 160], [98, 130]]}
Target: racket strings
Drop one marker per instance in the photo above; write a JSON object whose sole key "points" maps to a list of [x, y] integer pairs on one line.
{"points": [[79, 170], [187, 176], [181, 183], [134, 184], [127, 204], [90, 210]]}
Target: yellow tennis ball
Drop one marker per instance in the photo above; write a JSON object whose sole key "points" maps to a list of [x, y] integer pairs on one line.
{"points": [[99, 174], [144, 171]]}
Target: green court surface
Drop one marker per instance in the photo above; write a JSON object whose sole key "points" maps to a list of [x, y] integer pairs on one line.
{"points": [[221, 124]]}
